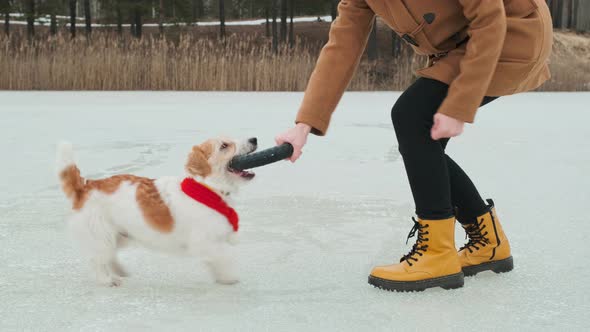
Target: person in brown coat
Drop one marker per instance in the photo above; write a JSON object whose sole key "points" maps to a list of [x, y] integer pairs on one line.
{"points": [[478, 50]]}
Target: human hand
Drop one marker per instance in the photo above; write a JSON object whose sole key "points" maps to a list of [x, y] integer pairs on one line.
{"points": [[446, 127], [297, 136]]}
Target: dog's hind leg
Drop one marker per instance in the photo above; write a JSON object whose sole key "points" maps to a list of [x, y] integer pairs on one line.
{"points": [[123, 241], [118, 269], [98, 240]]}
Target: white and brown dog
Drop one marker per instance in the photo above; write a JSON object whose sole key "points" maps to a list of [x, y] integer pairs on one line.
{"points": [[181, 215]]}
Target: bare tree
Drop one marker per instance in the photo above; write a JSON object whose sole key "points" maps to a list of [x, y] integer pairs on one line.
{"points": [[583, 16], [284, 13], [275, 33], [573, 13], [161, 18], [194, 11], [291, 25], [222, 19], [119, 15], [570, 14], [30, 10], [201, 9], [334, 8], [73, 4], [87, 18], [6, 10], [7, 23], [557, 12], [53, 19], [267, 16], [137, 21]]}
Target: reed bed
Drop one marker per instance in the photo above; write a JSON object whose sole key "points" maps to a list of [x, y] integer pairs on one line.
{"points": [[241, 62], [106, 62]]}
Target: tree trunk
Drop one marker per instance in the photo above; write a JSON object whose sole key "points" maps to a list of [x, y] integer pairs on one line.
{"points": [[583, 17], [291, 24], [222, 19], [267, 16], [573, 14], [560, 14], [137, 21], [334, 8], [194, 11], [119, 19], [30, 19], [201, 8], [7, 22], [275, 32], [557, 12], [284, 14], [53, 22], [372, 47], [161, 18], [73, 18], [87, 18], [553, 9]]}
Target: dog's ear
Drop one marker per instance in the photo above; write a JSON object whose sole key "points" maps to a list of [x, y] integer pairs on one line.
{"points": [[197, 163]]}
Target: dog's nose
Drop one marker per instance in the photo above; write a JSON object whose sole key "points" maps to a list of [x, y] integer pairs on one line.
{"points": [[253, 141]]}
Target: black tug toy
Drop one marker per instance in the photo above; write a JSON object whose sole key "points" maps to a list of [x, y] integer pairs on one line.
{"points": [[261, 158]]}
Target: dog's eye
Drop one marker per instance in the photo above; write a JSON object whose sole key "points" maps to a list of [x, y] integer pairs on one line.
{"points": [[223, 146]]}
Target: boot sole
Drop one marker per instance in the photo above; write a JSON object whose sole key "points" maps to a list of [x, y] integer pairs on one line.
{"points": [[447, 282], [501, 266]]}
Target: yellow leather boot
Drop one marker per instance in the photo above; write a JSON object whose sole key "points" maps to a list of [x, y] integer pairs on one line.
{"points": [[432, 262], [488, 248]]}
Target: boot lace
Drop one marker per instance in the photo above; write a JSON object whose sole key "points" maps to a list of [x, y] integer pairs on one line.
{"points": [[477, 236], [419, 247]]}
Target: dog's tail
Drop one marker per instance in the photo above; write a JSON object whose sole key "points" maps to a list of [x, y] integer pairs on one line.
{"points": [[68, 172]]}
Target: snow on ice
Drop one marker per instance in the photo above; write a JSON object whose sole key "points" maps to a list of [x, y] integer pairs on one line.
{"points": [[310, 231]]}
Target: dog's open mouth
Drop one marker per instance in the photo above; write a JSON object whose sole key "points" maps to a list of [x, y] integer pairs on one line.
{"points": [[244, 174]]}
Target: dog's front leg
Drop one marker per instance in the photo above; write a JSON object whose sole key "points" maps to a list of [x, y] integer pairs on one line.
{"points": [[222, 263]]}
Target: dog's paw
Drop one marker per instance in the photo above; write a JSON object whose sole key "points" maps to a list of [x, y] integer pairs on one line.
{"points": [[227, 281], [119, 270], [110, 282], [115, 282]]}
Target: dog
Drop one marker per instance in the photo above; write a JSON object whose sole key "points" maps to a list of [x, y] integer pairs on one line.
{"points": [[189, 215]]}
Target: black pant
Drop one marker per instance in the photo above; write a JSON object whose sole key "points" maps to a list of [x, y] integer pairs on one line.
{"points": [[438, 184]]}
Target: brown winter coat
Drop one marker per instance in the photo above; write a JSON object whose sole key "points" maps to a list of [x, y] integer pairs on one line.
{"points": [[479, 47]]}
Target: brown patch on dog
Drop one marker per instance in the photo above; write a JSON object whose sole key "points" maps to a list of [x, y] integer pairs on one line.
{"points": [[154, 209], [72, 184], [198, 160]]}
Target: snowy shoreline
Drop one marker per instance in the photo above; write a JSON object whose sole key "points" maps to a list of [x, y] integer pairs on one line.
{"points": [[45, 20]]}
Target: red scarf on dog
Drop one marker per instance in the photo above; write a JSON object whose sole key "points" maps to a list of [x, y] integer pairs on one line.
{"points": [[204, 195]]}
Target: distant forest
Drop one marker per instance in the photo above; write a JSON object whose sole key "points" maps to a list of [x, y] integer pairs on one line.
{"points": [[567, 14], [196, 45]]}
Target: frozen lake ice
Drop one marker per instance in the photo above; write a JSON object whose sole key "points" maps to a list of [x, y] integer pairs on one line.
{"points": [[310, 232]]}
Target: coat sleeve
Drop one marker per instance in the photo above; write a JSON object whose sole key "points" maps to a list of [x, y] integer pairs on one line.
{"points": [[487, 31], [336, 65]]}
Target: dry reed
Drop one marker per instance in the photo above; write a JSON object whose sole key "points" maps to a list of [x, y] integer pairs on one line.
{"points": [[235, 64], [239, 63]]}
